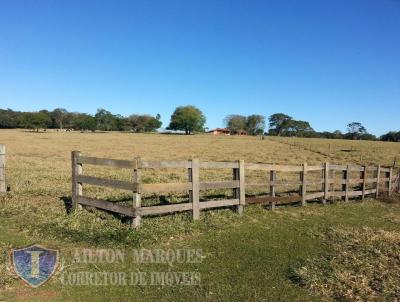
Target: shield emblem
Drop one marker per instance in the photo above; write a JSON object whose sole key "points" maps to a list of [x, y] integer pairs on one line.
{"points": [[35, 264]]}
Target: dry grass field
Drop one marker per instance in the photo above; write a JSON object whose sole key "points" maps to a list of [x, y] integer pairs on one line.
{"points": [[248, 258]]}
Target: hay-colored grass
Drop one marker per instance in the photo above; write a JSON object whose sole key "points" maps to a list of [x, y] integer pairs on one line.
{"points": [[247, 258]]}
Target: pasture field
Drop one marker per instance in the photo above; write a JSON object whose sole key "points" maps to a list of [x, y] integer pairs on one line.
{"points": [[262, 256]]}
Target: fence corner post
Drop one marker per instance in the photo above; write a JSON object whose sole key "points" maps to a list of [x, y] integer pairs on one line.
{"points": [[326, 183], [77, 170], [3, 186], [137, 197], [303, 178], [194, 194]]}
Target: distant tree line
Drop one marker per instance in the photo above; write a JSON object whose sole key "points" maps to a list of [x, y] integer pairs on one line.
{"points": [[281, 124], [187, 119], [62, 119]]}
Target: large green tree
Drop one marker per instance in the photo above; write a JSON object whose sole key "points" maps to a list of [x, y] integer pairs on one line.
{"points": [[60, 116], [144, 123], [187, 118], [106, 120], [235, 123], [356, 130], [279, 122], [35, 120], [255, 124], [83, 121]]}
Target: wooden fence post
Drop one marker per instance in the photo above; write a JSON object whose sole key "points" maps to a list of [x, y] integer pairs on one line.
{"points": [[77, 169], [363, 175], [272, 178], [390, 175], [137, 196], [303, 177], [344, 182], [398, 181], [3, 186], [194, 194], [241, 191], [348, 175], [378, 175], [326, 183]]}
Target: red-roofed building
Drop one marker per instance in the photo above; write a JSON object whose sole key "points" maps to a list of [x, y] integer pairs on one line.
{"points": [[218, 131]]}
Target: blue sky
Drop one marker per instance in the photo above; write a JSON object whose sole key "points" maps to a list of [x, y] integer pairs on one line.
{"points": [[327, 62]]}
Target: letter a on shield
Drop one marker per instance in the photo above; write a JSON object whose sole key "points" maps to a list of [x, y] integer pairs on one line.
{"points": [[35, 264]]}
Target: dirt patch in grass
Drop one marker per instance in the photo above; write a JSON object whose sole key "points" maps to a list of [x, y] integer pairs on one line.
{"points": [[361, 265]]}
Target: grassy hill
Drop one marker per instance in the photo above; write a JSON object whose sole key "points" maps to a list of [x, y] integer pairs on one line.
{"points": [[262, 256]]}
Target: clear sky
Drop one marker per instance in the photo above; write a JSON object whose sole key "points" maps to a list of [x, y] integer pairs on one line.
{"points": [[327, 62]]}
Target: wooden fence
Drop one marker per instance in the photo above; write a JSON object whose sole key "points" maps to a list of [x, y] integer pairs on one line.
{"points": [[3, 186], [382, 182]]}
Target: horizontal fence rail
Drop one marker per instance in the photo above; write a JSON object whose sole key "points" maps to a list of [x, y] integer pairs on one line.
{"points": [[383, 181]]}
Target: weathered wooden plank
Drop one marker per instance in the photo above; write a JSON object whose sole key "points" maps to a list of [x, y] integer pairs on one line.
{"points": [[106, 205], [218, 203], [385, 169], [195, 188], [280, 182], [219, 165], [231, 184], [351, 167], [3, 186], [116, 163], [102, 182], [165, 187], [315, 168], [277, 199], [356, 168], [338, 167], [355, 193], [157, 210], [160, 164], [315, 195], [270, 167], [337, 193], [371, 191]]}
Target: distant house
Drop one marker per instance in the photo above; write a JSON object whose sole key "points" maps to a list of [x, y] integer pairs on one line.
{"points": [[226, 131], [217, 131], [241, 132]]}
